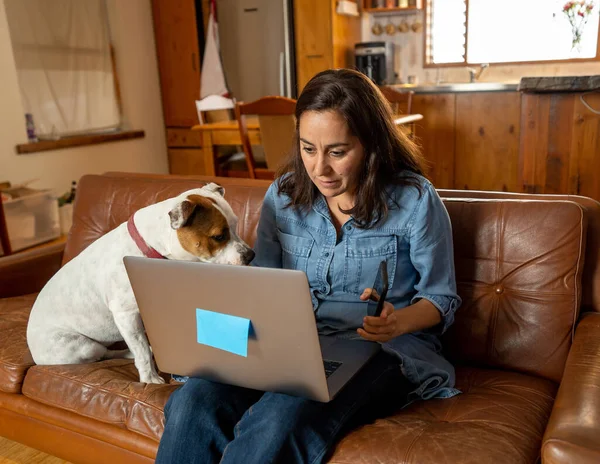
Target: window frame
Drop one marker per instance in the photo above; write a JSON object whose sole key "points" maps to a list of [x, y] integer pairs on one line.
{"points": [[427, 48]]}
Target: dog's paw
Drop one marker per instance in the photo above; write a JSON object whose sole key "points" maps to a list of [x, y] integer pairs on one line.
{"points": [[152, 377]]}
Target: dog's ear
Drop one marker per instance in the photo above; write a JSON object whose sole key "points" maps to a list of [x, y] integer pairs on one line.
{"points": [[182, 212], [215, 188]]}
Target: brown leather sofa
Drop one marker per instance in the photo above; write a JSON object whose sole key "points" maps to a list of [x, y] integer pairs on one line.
{"points": [[526, 341]]}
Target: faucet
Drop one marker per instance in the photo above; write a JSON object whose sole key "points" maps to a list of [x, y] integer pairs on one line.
{"points": [[475, 74]]}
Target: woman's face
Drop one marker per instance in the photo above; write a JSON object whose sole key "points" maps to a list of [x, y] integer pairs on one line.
{"points": [[332, 156]]}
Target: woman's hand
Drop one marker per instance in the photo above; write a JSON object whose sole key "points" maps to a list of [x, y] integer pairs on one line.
{"points": [[382, 328], [395, 322]]}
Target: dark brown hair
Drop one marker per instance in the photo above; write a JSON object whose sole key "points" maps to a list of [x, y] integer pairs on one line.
{"points": [[389, 153]]}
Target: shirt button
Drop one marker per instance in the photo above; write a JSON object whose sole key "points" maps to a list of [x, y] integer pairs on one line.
{"points": [[327, 254], [324, 289], [348, 227]]}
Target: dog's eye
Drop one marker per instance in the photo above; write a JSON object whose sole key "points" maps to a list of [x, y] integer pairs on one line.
{"points": [[219, 238]]}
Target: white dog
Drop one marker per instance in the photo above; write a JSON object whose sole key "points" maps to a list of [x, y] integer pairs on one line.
{"points": [[89, 304]]}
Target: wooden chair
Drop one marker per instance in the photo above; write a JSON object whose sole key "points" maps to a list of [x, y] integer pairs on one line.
{"points": [[401, 103], [277, 127]]}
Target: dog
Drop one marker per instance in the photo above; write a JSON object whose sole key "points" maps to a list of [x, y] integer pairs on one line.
{"points": [[88, 305]]}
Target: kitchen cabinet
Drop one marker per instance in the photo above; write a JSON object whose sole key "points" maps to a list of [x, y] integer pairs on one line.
{"points": [[324, 39], [560, 143], [470, 140], [436, 135], [177, 50], [487, 141]]}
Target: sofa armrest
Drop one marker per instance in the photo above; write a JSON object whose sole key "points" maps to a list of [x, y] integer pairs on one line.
{"points": [[28, 272], [574, 427]]}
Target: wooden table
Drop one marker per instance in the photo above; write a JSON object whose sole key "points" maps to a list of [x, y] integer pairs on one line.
{"points": [[228, 133], [223, 133]]}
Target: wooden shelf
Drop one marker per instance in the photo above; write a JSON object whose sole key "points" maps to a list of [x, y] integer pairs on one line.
{"points": [[410, 9], [78, 141], [394, 9]]}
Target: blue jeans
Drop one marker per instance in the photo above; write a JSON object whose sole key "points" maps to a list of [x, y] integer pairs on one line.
{"points": [[209, 422]]}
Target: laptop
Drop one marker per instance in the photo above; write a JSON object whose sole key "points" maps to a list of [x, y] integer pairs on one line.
{"points": [[179, 300]]}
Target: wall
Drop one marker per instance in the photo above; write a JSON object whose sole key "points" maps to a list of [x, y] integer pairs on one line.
{"points": [[409, 57], [131, 27]]}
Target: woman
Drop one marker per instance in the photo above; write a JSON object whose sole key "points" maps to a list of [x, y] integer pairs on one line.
{"points": [[351, 196]]}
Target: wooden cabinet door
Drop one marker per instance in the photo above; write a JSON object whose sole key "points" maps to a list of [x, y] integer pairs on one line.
{"points": [[560, 144], [186, 161], [435, 134], [585, 151], [487, 141], [313, 36], [176, 38]]}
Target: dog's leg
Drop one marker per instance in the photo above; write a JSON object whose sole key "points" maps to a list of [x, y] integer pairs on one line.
{"points": [[129, 323], [69, 348], [118, 354]]}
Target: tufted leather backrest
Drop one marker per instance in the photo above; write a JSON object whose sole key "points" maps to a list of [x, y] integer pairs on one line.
{"points": [[590, 298], [518, 270], [518, 262]]}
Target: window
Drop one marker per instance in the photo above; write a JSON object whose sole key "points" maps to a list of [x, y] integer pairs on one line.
{"points": [[485, 31], [64, 64]]}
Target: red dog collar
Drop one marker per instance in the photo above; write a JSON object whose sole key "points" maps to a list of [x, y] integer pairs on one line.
{"points": [[146, 249]]}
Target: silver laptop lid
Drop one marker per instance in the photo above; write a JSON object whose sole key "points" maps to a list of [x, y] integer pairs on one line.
{"points": [[283, 352]]}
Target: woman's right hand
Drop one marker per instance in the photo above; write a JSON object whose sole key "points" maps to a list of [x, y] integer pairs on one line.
{"points": [[379, 329]]}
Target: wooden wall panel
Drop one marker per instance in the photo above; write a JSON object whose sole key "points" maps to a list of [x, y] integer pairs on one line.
{"points": [[436, 135], [487, 141]]}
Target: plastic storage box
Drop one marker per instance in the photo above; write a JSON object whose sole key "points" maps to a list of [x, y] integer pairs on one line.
{"points": [[31, 219]]}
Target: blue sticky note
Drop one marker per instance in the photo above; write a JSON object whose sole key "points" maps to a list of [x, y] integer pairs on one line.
{"points": [[223, 331]]}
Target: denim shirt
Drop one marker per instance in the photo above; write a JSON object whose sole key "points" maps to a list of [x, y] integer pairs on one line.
{"points": [[416, 242]]}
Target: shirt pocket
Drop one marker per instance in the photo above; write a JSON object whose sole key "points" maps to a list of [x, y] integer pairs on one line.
{"points": [[363, 257], [295, 251]]}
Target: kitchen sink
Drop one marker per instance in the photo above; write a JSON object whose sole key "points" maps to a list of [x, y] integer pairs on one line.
{"points": [[460, 87]]}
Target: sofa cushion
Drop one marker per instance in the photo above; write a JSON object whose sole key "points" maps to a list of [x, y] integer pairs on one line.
{"points": [[15, 357], [108, 391], [500, 418]]}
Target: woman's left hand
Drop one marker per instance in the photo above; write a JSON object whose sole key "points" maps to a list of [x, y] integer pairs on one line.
{"points": [[382, 328]]}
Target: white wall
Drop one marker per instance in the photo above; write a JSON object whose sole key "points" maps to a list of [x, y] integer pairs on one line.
{"points": [[409, 58], [132, 29]]}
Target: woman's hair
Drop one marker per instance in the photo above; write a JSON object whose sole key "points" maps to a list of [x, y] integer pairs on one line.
{"points": [[388, 151]]}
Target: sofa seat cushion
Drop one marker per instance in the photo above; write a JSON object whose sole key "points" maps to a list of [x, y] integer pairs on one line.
{"points": [[15, 357], [108, 391], [499, 418]]}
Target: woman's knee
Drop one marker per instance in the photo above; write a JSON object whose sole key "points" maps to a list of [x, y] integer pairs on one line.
{"points": [[283, 414], [191, 397]]}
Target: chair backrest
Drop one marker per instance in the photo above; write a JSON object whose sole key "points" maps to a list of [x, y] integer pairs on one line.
{"points": [[214, 108], [277, 126], [401, 101]]}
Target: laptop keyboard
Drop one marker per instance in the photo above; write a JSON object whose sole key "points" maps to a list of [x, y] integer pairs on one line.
{"points": [[330, 366]]}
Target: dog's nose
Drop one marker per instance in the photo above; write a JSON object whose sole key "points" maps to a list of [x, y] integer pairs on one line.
{"points": [[248, 256]]}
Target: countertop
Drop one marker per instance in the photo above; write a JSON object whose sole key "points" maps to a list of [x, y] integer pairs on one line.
{"points": [[559, 84], [451, 87]]}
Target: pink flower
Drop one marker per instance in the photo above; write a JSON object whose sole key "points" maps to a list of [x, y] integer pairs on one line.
{"points": [[580, 13]]}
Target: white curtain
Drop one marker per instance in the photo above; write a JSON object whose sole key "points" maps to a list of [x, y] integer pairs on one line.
{"points": [[63, 60]]}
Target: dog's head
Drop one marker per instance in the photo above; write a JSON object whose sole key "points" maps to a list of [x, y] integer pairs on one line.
{"points": [[205, 226]]}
